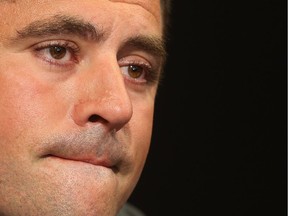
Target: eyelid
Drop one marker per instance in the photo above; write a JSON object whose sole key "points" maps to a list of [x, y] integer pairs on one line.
{"points": [[151, 73], [70, 46], [136, 62], [64, 43]]}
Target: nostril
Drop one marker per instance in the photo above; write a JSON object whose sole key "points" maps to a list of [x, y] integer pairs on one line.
{"points": [[93, 118]]}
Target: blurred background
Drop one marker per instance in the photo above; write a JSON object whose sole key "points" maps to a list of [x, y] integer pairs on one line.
{"points": [[219, 139]]}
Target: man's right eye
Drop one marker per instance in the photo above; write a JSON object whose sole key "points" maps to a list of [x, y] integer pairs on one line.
{"points": [[58, 53]]}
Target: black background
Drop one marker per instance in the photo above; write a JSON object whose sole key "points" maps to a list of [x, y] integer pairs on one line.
{"points": [[219, 139]]}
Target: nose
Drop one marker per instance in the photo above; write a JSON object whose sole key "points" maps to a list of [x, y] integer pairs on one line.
{"points": [[103, 97]]}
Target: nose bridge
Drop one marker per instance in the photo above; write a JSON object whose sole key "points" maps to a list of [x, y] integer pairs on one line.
{"points": [[106, 78], [104, 97]]}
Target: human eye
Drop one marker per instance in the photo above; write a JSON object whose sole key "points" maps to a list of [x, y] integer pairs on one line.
{"points": [[138, 72], [58, 53]]}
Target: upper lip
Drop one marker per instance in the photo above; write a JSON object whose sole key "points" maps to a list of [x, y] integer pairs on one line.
{"points": [[92, 146]]}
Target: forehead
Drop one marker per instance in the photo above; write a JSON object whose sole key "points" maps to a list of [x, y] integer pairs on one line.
{"points": [[152, 6], [20, 9], [141, 14]]}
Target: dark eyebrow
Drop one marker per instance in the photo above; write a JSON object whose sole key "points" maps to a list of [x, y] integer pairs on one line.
{"points": [[151, 44], [60, 25]]}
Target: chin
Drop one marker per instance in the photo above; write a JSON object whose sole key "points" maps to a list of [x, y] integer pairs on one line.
{"points": [[75, 199], [76, 189]]}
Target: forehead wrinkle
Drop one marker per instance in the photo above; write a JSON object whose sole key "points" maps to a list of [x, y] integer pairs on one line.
{"points": [[142, 4], [8, 1]]}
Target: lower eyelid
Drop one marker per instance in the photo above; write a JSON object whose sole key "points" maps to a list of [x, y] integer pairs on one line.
{"points": [[54, 63]]}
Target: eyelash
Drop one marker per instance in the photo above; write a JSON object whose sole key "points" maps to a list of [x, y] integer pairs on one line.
{"points": [[150, 75], [69, 47]]}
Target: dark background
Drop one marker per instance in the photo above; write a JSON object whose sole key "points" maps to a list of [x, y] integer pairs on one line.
{"points": [[219, 142]]}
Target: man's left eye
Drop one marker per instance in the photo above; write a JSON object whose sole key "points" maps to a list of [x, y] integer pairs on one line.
{"points": [[138, 70], [135, 71]]}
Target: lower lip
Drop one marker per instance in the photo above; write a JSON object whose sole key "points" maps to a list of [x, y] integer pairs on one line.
{"points": [[77, 162], [76, 173]]}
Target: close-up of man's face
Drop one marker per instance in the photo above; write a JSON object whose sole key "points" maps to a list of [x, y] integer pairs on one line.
{"points": [[78, 80]]}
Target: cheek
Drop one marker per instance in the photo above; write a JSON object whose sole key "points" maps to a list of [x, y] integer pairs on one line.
{"points": [[141, 125], [23, 104], [141, 130]]}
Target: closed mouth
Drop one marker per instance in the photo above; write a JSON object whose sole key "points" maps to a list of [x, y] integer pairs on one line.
{"points": [[91, 161]]}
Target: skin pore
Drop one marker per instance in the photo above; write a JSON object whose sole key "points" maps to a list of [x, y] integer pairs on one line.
{"points": [[76, 103]]}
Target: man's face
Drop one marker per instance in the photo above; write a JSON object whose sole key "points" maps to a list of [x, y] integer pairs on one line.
{"points": [[78, 80]]}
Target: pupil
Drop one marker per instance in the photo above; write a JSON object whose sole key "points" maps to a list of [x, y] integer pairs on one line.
{"points": [[134, 68], [134, 71], [57, 52]]}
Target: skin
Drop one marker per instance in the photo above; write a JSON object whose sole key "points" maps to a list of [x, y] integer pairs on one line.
{"points": [[76, 123]]}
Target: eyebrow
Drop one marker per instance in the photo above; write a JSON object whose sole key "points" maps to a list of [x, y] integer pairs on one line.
{"points": [[60, 25], [150, 44]]}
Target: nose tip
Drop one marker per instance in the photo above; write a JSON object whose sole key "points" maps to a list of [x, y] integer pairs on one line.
{"points": [[114, 113], [119, 115]]}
